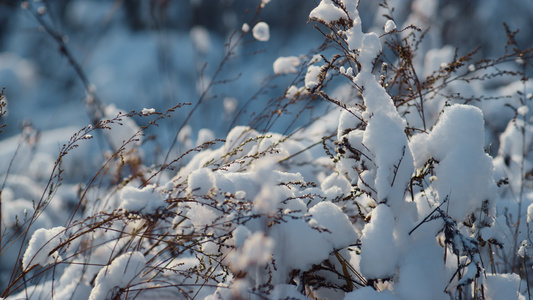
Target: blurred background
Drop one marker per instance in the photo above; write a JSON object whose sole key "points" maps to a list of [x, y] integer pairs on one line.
{"points": [[156, 53]]}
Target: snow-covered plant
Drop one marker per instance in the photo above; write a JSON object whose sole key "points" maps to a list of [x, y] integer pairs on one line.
{"points": [[402, 201]]}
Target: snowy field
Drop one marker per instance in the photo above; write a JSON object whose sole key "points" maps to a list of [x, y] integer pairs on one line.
{"points": [[332, 149]]}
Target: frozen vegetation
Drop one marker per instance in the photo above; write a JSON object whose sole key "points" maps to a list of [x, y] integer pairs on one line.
{"points": [[378, 162]]}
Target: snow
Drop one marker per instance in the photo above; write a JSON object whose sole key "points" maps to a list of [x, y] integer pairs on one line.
{"points": [[147, 111], [41, 245], [256, 250], [501, 286], [330, 217], [264, 3], [292, 92], [385, 130], [311, 77], [530, 213], [522, 251], [426, 8], [240, 234], [261, 32], [523, 110], [465, 171], [419, 275], [146, 200], [121, 129], [298, 246], [204, 135], [201, 181], [390, 26], [200, 39], [123, 272], [271, 205], [284, 65], [327, 12], [370, 293], [379, 254]]}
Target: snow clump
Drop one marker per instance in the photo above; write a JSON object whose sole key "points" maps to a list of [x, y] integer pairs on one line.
{"points": [[327, 12], [261, 32], [284, 65], [123, 272], [42, 242], [390, 26]]}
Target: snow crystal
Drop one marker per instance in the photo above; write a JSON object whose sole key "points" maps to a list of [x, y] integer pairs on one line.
{"points": [[390, 26], [311, 77], [284, 65], [327, 12], [42, 242], [123, 272], [501, 286], [147, 199], [261, 32], [379, 256]]}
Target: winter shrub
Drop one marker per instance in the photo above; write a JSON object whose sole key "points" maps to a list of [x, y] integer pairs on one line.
{"points": [[402, 201]]}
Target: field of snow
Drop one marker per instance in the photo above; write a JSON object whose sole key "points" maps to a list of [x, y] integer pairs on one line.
{"points": [[333, 149]]}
